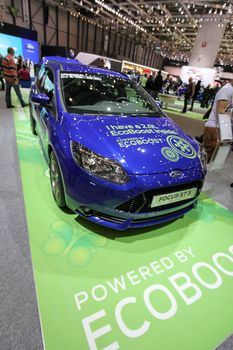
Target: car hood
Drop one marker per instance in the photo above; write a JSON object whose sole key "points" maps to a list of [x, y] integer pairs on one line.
{"points": [[142, 145]]}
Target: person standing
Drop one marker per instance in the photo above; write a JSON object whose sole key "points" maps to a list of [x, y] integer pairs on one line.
{"points": [[206, 97], [24, 74], [158, 84], [19, 63], [167, 84], [11, 78], [188, 94], [223, 99], [196, 91], [150, 83], [143, 80]]}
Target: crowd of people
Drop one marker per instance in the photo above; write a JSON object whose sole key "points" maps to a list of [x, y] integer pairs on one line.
{"points": [[12, 73], [217, 99], [192, 92]]}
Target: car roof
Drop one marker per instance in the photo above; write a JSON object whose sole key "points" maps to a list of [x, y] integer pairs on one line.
{"points": [[58, 59], [73, 65]]}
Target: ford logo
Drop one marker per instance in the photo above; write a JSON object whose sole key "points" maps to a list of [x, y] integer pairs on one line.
{"points": [[30, 47], [176, 173]]}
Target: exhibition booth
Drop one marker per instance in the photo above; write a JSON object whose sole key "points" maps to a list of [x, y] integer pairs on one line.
{"points": [[91, 281], [23, 46], [140, 69], [121, 66], [164, 286]]}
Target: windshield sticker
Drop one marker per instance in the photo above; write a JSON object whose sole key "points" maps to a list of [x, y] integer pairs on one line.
{"points": [[79, 76], [178, 146], [181, 146], [138, 129], [170, 154], [137, 141]]}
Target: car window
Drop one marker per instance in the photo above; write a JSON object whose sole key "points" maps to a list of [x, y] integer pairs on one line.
{"points": [[105, 94], [45, 81], [40, 77], [48, 84]]}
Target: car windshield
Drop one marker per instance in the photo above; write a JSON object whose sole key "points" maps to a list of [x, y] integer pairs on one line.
{"points": [[105, 94]]}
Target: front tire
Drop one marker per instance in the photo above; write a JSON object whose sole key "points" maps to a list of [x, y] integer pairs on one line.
{"points": [[56, 182], [32, 122]]}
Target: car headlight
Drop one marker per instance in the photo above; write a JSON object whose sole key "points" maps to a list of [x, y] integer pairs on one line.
{"points": [[202, 154], [98, 165]]}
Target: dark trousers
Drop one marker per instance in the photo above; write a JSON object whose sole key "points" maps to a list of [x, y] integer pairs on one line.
{"points": [[17, 91], [185, 104]]}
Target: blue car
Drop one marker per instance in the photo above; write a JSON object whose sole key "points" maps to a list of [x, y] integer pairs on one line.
{"points": [[115, 158]]}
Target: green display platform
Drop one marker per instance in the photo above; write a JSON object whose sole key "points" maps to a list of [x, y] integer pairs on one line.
{"points": [[178, 107], [167, 287]]}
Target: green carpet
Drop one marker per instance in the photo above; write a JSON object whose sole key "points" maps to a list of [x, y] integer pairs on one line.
{"points": [[176, 108], [157, 288]]}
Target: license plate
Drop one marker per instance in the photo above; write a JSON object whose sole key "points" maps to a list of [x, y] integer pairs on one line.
{"points": [[173, 197]]}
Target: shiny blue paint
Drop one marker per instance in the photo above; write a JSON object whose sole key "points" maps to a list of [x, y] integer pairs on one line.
{"points": [[112, 137]]}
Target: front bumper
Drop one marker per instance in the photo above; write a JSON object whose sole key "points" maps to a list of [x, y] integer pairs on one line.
{"points": [[138, 220], [121, 210]]}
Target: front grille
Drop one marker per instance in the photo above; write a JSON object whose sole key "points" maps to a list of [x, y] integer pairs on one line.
{"points": [[142, 202], [133, 205]]}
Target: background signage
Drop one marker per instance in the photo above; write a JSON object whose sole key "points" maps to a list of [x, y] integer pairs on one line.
{"points": [[27, 48]]}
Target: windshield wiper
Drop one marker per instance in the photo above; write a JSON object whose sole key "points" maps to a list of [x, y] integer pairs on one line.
{"points": [[144, 115]]}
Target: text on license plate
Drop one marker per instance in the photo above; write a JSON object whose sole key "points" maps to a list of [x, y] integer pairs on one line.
{"points": [[173, 197]]}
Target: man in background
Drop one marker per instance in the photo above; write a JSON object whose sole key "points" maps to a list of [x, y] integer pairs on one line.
{"points": [[11, 78], [158, 84], [196, 91], [143, 80], [150, 83], [188, 95]]}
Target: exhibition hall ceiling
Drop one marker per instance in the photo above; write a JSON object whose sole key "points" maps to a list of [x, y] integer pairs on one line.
{"points": [[169, 26]]}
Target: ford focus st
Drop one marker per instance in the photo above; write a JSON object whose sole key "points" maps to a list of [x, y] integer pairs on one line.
{"points": [[114, 156]]}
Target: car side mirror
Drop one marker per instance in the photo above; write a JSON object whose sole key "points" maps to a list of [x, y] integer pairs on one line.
{"points": [[41, 99]]}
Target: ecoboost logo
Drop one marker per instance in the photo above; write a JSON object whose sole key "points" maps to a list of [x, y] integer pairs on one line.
{"points": [[189, 287]]}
